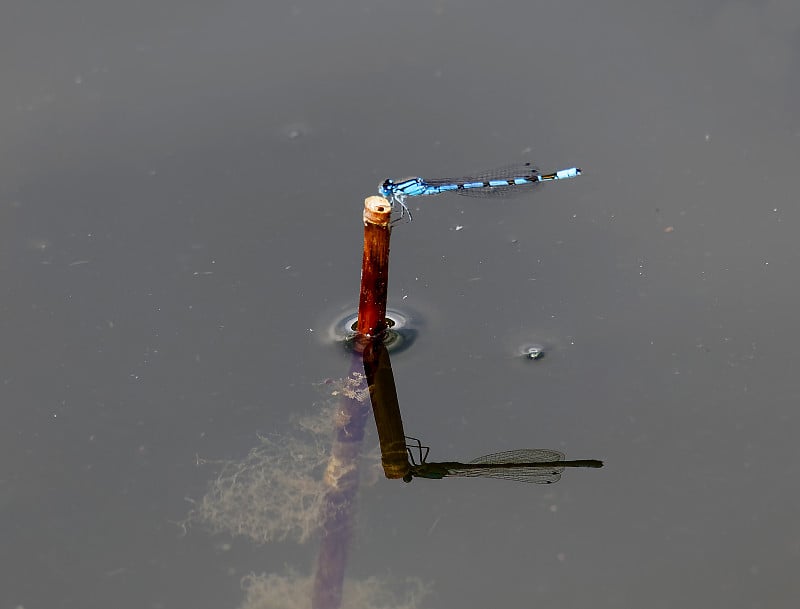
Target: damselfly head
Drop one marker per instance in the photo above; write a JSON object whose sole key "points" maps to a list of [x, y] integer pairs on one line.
{"points": [[386, 188]]}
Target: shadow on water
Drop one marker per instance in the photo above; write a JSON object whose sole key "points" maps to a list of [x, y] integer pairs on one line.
{"points": [[401, 459], [305, 485]]}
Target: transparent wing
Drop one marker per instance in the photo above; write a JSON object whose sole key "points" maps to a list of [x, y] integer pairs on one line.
{"points": [[496, 192], [515, 170]]}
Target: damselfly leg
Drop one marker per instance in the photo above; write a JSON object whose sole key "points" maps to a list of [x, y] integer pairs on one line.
{"points": [[416, 451]]}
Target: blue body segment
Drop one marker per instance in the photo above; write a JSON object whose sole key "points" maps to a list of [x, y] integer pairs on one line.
{"points": [[497, 182]]}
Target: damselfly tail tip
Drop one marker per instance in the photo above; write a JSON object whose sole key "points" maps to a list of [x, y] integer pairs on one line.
{"points": [[564, 174]]}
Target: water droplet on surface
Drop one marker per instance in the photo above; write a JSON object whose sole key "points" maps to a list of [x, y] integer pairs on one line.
{"points": [[533, 352], [295, 131]]}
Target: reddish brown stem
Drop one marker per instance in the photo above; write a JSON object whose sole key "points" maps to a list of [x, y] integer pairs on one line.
{"points": [[375, 267]]}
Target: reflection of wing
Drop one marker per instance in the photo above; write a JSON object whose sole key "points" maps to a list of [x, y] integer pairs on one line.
{"points": [[535, 475], [524, 455], [517, 465]]}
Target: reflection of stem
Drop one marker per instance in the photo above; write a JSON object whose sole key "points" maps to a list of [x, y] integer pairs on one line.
{"points": [[337, 511], [383, 395], [341, 475]]}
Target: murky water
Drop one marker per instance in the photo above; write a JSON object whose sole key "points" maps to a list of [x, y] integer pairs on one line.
{"points": [[181, 191]]}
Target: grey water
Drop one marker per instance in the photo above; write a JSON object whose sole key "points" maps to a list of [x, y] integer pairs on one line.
{"points": [[181, 187]]}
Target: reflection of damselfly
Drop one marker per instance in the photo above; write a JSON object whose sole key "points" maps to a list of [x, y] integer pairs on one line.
{"points": [[537, 465]]}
